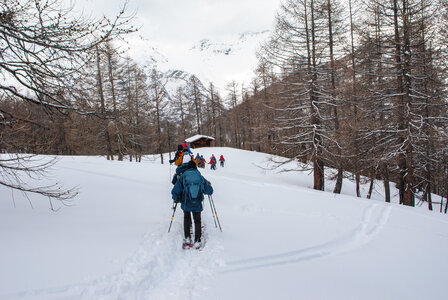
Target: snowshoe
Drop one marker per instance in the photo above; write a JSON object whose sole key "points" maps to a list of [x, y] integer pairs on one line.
{"points": [[187, 244], [197, 245]]}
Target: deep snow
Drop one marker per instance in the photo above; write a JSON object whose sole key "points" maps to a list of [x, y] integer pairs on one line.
{"points": [[280, 239]]}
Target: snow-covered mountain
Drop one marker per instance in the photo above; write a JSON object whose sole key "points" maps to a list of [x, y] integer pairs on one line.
{"points": [[214, 40], [217, 61], [173, 79], [237, 46], [280, 239]]}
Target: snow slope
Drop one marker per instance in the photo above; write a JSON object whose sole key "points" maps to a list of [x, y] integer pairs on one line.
{"points": [[280, 238]]}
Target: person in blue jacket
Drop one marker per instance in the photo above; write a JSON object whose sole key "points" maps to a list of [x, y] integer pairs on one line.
{"points": [[189, 190]]}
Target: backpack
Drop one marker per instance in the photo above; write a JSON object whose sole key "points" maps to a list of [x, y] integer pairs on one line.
{"points": [[179, 159], [192, 181]]}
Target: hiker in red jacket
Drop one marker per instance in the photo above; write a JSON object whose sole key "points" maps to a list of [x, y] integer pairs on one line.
{"points": [[213, 162], [221, 161]]}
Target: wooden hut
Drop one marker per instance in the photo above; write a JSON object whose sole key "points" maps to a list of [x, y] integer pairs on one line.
{"points": [[199, 141]]}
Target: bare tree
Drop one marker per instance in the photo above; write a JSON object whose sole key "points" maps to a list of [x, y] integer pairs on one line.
{"points": [[44, 49], [180, 107], [158, 104], [233, 102], [298, 50], [411, 89], [103, 111], [196, 99]]}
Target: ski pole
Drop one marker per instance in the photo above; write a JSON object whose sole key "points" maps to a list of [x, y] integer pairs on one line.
{"points": [[211, 207], [172, 217], [216, 213]]}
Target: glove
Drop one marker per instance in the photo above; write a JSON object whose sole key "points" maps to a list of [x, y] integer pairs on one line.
{"points": [[208, 182], [177, 201]]}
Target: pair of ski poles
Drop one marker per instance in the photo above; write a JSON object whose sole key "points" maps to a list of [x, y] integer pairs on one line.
{"points": [[212, 207], [214, 212]]}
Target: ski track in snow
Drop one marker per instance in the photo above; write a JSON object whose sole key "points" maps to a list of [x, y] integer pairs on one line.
{"points": [[374, 219], [159, 269]]}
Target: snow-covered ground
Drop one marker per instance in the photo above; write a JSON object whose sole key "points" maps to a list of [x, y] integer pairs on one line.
{"points": [[280, 239]]}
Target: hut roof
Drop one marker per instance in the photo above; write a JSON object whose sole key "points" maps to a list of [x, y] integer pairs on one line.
{"points": [[198, 137]]}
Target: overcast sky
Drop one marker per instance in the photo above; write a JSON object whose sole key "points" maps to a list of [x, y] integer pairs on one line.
{"points": [[189, 20], [175, 26]]}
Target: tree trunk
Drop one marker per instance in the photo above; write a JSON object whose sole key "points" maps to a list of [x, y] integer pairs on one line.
{"points": [[103, 106], [354, 92], [338, 185], [339, 179], [446, 194], [372, 179], [409, 197], [358, 183], [318, 164], [386, 183], [428, 195], [319, 176], [117, 134]]}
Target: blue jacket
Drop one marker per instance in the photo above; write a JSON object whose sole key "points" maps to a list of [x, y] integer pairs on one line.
{"points": [[184, 190]]}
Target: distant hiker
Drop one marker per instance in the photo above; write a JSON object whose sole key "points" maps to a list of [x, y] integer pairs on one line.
{"points": [[221, 160], [197, 158], [180, 150], [185, 145], [182, 164], [189, 190], [213, 162], [201, 162], [185, 151]]}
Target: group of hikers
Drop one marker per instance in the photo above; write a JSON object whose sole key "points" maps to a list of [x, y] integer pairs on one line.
{"points": [[201, 161], [189, 189]]}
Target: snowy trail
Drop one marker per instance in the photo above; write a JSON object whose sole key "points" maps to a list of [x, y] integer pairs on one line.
{"points": [[159, 269], [374, 219], [279, 239]]}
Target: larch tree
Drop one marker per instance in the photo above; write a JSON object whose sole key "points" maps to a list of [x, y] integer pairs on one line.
{"points": [[158, 106], [196, 99], [298, 48], [411, 86], [44, 49], [233, 102]]}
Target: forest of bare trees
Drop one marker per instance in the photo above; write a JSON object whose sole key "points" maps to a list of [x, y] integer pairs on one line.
{"points": [[353, 90], [360, 87]]}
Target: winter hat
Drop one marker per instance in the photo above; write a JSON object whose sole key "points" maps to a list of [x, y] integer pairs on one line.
{"points": [[180, 148], [186, 159]]}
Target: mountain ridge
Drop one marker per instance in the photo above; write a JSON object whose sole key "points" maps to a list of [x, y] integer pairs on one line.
{"points": [[211, 60]]}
